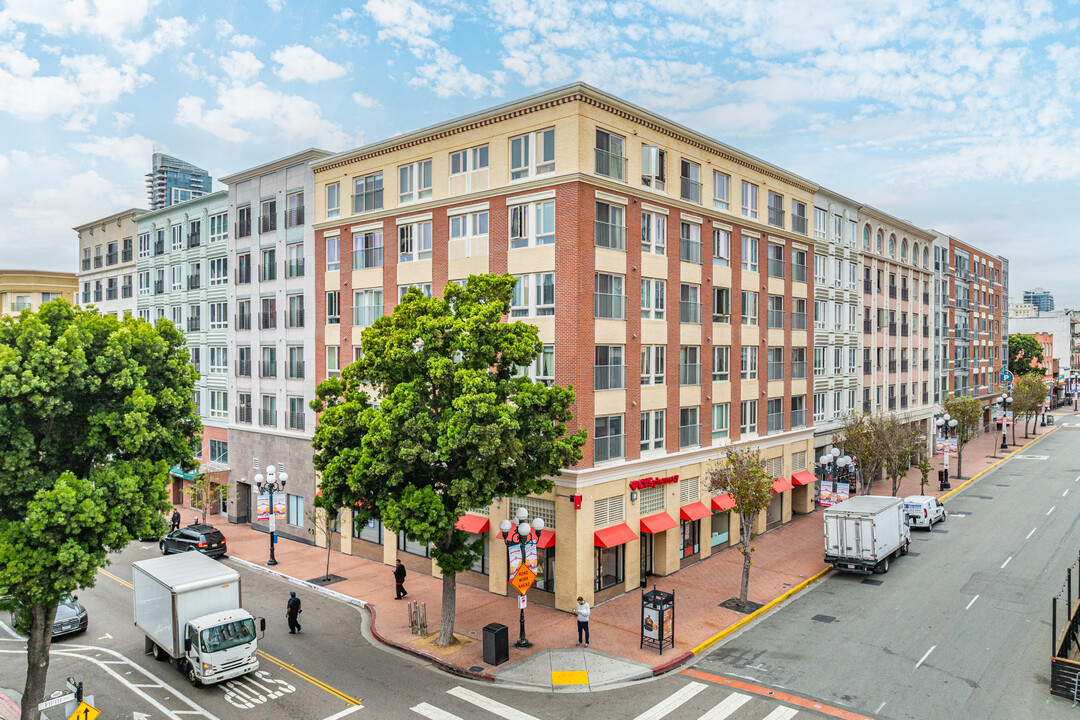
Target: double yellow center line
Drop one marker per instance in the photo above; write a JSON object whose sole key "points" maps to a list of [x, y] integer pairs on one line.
{"points": [[280, 663]]}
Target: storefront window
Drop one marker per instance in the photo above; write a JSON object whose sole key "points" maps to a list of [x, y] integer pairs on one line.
{"points": [[370, 531], [481, 564], [689, 537], [412, 547], [609, 564], [545, 569], [720, 528], [773, 515]]}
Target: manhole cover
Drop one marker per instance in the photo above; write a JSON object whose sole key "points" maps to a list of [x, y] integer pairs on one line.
{"points": [[868, 581], [913, 554], [476, 668], [823, 618]]}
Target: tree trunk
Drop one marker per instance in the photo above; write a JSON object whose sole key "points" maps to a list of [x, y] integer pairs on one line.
{"points": [[746, 530], [329, 532], [959, 462], [37, 659], [446, 621]]}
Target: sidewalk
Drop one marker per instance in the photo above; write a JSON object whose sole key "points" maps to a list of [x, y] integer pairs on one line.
{"points": [[785, 560]]}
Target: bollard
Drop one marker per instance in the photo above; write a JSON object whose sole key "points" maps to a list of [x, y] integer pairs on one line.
{"points": [[1053, 627], [1068, 595], [422, 620]]}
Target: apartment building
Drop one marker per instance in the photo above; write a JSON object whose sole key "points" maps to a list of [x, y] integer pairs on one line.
{"points": [[896, 296], [28, 289], [272, 342], [171, 181], [837, 303], [182, 275], [107, 263], [1058, 324], [667, 274]]}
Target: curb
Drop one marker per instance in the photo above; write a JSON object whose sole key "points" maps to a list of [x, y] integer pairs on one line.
{"points": [[979, 474], [672, 664]]}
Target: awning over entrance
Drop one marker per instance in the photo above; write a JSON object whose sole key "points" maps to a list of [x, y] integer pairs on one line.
{"points": [[803, 478], [476, 524], [780, 485], [657, 523], [547, 539], [176, 471], [723, 503], [609, 537], [694, 511]]}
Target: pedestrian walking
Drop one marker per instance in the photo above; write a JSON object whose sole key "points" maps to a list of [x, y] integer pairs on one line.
{"points": [[583, 611], [292, 613], [399, 580], [175, 521]]}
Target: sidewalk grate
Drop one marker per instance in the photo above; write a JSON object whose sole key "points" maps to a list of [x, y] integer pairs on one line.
{"points": [[868, 581], [823, 618]]}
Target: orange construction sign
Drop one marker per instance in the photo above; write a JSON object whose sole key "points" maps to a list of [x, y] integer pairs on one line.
{"points": [[523, 578]]}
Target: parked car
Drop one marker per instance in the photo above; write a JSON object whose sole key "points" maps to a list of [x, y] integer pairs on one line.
{"points": [[71, 617], [924, 511], [205, 539]]}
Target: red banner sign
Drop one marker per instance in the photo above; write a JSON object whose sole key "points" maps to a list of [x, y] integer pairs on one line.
{"points": [[652, 482]]}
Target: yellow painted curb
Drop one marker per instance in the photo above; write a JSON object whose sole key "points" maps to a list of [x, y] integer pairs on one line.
{"points": [[758, 613], [978, 475], [569, 677]]}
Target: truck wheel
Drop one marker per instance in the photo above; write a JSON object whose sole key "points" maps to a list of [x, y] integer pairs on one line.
{"points": [[904, 549], [191, 676], [885, 566], [159, 653]]}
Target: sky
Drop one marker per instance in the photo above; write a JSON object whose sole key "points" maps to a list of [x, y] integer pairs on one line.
{"points": [[956, 116]]}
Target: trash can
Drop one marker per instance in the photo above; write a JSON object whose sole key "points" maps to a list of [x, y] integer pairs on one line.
{"points": [[496, 644], [943, 480]]}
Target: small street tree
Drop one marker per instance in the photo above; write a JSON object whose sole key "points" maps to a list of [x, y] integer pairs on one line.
{"points": [[206, 494], [968, 413], [456, 426], [95, 411], [1028, 395], [924, 473], [1025, 354], [324, 517], [901, 442], [741, 474], [862, 436]]}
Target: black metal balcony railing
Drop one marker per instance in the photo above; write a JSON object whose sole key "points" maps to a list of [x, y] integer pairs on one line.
{"points": [[242, 321], [243, 369], [892, 403], [892, 329], [112, 258], [97, 261], [268, 418], [610, 235], [296, 370], [243, 275], [267, 223], [610, 165], [294, 319], [892, 292], [367, 258], [926, 298], [609, 377], [903, 330], [159, 287], [867, 326], [904, 294], [903, 401], [243, 227], [925, 365], [295, 268], [776, 268], [268, 271], [903, 366], [690, 373], [866, 406], [892, 366], [798, 224], [866, 367], [690, 190], [294, 420], [798, 273], [159, 247], [867, 287], [86, 263], [194, 324], [294, 217], [194, 282], [268, 368], [776, 216], [125, 256], [926, 398], [125, 291], [243, 414], [194, 240], [926, 331], [609, 305], [267, 320]]}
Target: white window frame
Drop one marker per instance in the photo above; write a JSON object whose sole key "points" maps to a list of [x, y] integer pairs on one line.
{"points": [[177, 237], [542, 368], [748, 417], [653, 299], [821, 221], [531, 232], [177, 277], [333, 253], [333, 360], [653, 364], [365, 299], [333, 200], [653, 232], [219, 403], [526, 299], [654, 167], [653, 429], [721, 359], [466, 228], [721, 420], [414, 242], [749, 200], [219, 271], [721, 253], [748, 363], [144, 246], [721, 190], [144, 284], [749, 253], [410, 179], [219, 359], [219, 315], [531, 145]]}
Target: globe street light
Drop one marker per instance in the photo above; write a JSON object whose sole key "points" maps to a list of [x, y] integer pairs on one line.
{"points": [[1004, 402], [520, 537], [272, 483]]}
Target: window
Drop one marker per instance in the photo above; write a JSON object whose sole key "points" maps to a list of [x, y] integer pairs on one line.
{"points": [[609, 371], [268, 216], [720, 412], [866, 238], [721, 247], [721, 305], [177, 277], [653, 167], [414, 242], [774, 415], [333, 307], [532, 154], [776, 209], [610, 226], [294, 209], [610, 155], [177, 316], [294, 317], [414, 181], [194, 318], [749, 200], [689, 365], [333, 200], [368, 193], [798, 216], [534, 296], [721, 190], [819, 406], [219, 315], [368, 249], [424, 288], [749, 363], [177, 232], [268, 266], [652, 364], [689, 303], [690, 181], [541, 231], [748, 417], [689, 430], [776, 311], [542, 369], [367, 307], [652, 299], [295, 514], [219, 271], [690, 242], [609, 564], [609, 300], [333, 360], [776, 260], [653, 233], [652, 438], [464, 169], [295, 367], [144, 248], [749, 307], [798, 419], [775, 360], [749, 253], [219, 359], [721, 370], [268, 414], [608, 438], [819, 361]]}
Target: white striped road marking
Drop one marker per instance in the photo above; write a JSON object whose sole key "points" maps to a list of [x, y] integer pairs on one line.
{"points": [[432, 712], [492, 706], [1051, 510], [879, 707], [727, 706], [671, 702], [1065, 493], [1005, 563], [924, 657], [1031, 533], [347, 711], [782, 713], [972, 602]]}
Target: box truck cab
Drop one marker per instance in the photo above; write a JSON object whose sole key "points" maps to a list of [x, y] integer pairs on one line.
{"points": [[924, 510], [188, 607]]}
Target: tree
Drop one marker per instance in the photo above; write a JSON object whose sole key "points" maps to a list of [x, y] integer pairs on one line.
{"points": [[206, 494], [456, 426], [862, 436], [967, 412], [324, 518], [96, 410], [924, 472], [1025, 354], [1028, 394], [741, 474], [900, 441]]}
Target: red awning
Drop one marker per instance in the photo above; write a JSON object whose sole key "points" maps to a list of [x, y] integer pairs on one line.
{"points": [[547, 539], [657, 523], [476, 524], [694, 511], [803, 478], [609, 537], [780, 485], [723, 503]]}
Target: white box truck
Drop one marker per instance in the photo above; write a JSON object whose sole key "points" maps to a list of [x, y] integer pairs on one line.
{"points": [[188, 606], [863, 533]]}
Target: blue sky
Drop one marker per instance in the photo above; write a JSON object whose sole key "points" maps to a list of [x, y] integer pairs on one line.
{"points": [[958, 116]]}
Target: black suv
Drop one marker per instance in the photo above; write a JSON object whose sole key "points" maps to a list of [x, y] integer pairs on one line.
{"points": [[194, 538]]}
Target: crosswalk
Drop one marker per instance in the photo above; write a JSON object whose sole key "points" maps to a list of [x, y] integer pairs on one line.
{"points": [[705, 701]]}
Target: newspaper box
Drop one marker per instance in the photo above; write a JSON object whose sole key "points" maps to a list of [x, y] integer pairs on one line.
{"points": [[658, 619]]}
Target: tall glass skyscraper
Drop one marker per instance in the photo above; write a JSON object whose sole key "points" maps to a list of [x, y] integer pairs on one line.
{"points": [[1042, 299], [174, 181]]}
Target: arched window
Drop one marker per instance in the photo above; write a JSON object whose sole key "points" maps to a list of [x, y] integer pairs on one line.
{"points": [[915, 254], [866, 238], [892, 246], [926, 257], [903, 250], [880, 241]]}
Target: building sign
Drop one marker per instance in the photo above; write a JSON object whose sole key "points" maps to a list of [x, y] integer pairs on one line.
{"points": [[652, 482], [262, 507]]}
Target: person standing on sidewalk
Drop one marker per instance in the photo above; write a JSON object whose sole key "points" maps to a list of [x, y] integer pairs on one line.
{"points": [[583, 611], [399, 580], [175, 520], [292, 613]]}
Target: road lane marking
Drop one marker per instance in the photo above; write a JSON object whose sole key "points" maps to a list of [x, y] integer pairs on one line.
{"points": [[492, 706], [771, 694], [109, 575], [672, 702], [1031, 533], [1051, 510], [1005, 563], [1065, 493], [967, 608], [726, 707], [924, 657], [879, 707], [347, 711], [781, 713], [1077, 479], [432, 712]]}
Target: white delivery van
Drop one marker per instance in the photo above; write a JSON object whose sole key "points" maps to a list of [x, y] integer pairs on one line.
{"points": [[862, 534], [924, 510]]}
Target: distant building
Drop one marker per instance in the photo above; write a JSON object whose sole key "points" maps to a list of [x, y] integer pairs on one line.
{"points": [[1022, 309], [1042, 299], [107, 263], [174, 181], [28, 289], [1053, 324]]}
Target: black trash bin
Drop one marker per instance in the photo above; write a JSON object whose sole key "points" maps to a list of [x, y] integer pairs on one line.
{"points": [[496, 644]]}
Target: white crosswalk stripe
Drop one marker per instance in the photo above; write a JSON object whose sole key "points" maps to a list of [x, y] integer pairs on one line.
{"points": [[671, 702], [434, 713], [493, 706], [727, 706], [781, 713]]}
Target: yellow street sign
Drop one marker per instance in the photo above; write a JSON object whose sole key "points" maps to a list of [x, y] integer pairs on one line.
{"points": [[523, 578], [84, 712]]}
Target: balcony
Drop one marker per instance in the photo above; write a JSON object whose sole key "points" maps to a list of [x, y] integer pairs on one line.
{"points": [[610, 235], [268, 418], [367, 258], [892, 292], [776, 371], [268, 271], [86, 263], [243, 227], [294, 268], [798, 370], [867, 287], [97, 261], [904, 294], [294, 217], [690, 374], [892, 403], [866, 368], [194, 240], [294, 420], [798, 419], [892, 329], [267, 320], [776, 319], [926, 331], [367, 201], [243, 275], [690, 312], [892, 366], [366, 315], [243, 369], [609, 377], [194, 282], [689, 435], [112, 258], [775, 422], [690, 190], [243, 321], [609, 447], [798, 273], [267, 223], [926, 365], [609, 305], [159, 247], [776, 268], [776, 216], [866, 406], [294, 319], [268, 369], [903, 330], [112, 293], [194, 324], [903, 401], [926, 298], [125, 256], [690, 250], [243, 414], [159, 287], [798, 224], [296, 370], [610, 165], [903, 366], [798, 321], [125, 291], [867, 326], [926, 398]]}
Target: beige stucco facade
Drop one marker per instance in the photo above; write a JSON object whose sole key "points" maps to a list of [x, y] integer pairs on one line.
{"points": [[106, 272], [28, 289]]}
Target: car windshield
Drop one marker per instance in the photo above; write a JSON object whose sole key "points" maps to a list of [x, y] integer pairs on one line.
{"points": [[228, 635]]}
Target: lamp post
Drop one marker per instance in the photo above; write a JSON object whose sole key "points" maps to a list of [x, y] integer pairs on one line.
{"points": [[1004, 402], [272, 483], [946, 424], [1076, 390], [842, 462], [520, 536]]}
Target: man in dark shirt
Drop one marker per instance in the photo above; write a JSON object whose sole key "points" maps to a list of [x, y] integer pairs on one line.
{"points": [[399, 579], [292, 613]]}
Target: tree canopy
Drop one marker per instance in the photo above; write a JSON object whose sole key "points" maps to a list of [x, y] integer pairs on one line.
{"points": [[741, 474], [1025, 354], [96, 410], [454, 425], [863, 437]]}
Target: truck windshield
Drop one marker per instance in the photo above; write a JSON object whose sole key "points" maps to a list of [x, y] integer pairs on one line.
{"points": [[228, 635]]}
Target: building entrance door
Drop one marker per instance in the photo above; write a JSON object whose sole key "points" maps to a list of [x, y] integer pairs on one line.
{"points": [[243, 503], [646, 556]]}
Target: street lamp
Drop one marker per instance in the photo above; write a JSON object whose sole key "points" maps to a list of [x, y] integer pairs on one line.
{"points": [[272, 483], [520, 537], [946, 424], [1004, 402], [1076, 390]]}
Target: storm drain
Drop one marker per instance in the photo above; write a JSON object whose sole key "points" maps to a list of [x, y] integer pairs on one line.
{"points": [[823, 618]]}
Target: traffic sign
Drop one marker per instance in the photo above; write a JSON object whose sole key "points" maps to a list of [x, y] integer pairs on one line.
{"points": [[1006, 376], [58, 700], [84, 712], [523, 578]]}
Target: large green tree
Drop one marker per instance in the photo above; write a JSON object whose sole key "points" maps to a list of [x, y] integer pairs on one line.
{"points": [[968, 413], [1028, 395], [863, 437], [95, 411], [1025, 354], [454, 426]]}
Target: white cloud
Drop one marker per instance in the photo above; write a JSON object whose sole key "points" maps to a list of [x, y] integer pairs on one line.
{"points": [[364, 101], [408, 22], [345, 15], [106, 18], [170, 32], [275, 5], [299, 62], [123, 120], [4, 163], [135, 150], [226, 31], [240, 65]]}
